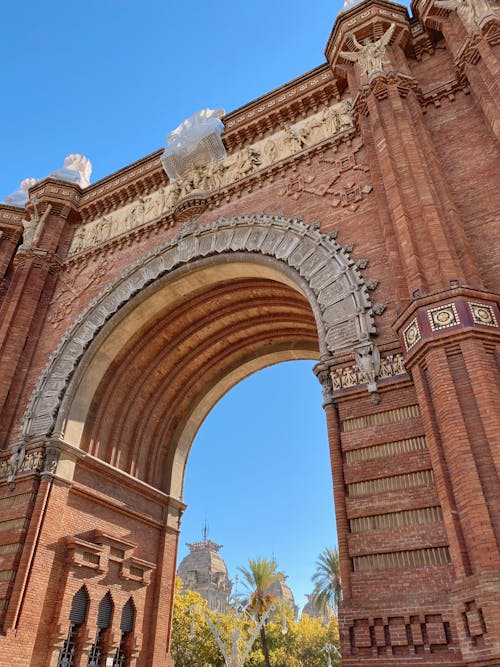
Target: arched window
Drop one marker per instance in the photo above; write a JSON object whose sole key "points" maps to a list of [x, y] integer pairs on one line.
{"points": [[123, 653], [77, 616], [104, 616]]}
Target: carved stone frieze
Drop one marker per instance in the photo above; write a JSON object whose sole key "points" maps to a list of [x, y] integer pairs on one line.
{"points": [[342, 303], [352, 377], [212, 177]]}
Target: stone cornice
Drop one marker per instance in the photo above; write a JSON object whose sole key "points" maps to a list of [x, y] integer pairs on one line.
{"points": [[123, 186], [286, 104], [11, 218]]}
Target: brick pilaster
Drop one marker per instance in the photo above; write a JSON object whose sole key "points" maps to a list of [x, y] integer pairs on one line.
{"points": [[23, 309]]}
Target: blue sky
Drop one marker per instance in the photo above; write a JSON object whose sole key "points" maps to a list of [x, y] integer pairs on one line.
{"points": [[259, 472], [110, 79]]}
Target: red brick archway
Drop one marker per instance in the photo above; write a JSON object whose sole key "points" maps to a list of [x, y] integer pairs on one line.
{"points": [[130, 306]]}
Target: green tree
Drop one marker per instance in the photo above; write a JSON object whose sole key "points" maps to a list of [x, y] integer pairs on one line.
{"points": [[192, 643], [326, 579], [303, 645], [312, 636], [257, 579]]}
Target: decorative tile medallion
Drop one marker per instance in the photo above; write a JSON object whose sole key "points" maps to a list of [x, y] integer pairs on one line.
{"points": [[482, 314], [412, 334], [443, 317]]}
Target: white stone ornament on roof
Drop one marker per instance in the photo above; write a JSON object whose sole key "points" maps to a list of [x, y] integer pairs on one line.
{"points": [[196, 142], [20, 196], [350, 3], [76, 169]]}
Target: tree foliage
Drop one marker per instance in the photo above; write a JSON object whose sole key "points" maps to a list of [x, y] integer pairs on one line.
{"points": [[302, 645], [258, 579], [327, 585]]}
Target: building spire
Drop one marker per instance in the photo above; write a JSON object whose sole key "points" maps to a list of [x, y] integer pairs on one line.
{"points": [[205, 531]]}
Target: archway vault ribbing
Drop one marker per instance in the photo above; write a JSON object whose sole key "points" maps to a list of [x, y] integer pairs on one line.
{"points": [[313, 295]]}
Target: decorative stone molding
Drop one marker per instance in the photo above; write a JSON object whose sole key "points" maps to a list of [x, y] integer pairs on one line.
{"points": [[99, 549], [202, 180], [351, 377], [21, 462], [412, 633], [342, 303], [447, 317]]}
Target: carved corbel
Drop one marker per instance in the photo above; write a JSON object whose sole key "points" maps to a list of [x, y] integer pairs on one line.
{"points": [[16, 459], [367, 359], [324, 376], [51, 460]]}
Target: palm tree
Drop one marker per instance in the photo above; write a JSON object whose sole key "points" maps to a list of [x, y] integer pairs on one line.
{"points": [[257, 579], [327, 585]]}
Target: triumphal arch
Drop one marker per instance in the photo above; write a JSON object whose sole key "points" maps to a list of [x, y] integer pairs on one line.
{"points": [[348, 217]]}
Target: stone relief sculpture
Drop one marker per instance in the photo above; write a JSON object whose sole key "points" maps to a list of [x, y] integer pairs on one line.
{"points": [[369, 55], [472, 11], [204, 177]]}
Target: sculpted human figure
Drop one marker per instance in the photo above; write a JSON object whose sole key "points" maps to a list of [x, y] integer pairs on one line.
{"points": [[78, 240], [345, 116], [292, 142], [173, 194], [248, 161], [303, 133], [150, 205], [192, 180], [331, 120], [471, 10], [215, 174], [316, 125], [369, 55], [30, 227], [270, 152]]}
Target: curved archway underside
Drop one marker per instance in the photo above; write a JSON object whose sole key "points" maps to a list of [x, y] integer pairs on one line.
{"points": [[137, 373]]}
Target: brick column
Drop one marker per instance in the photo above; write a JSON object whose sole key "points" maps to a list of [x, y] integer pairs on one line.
{"points": [[22, 313], [472, 45], [450, 348], [420, 213], [334, 443], [161, 608]]}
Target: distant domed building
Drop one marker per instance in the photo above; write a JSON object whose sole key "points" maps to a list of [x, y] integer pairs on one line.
{"points": [[284, 592], [312, 610], [204, 571]]}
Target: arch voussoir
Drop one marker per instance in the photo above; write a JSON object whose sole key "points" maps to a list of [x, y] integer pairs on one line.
{"points": [[338, 295]]}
